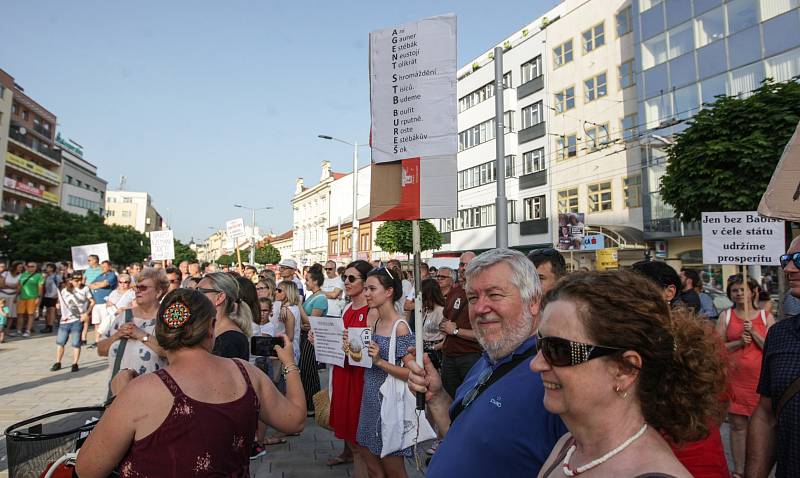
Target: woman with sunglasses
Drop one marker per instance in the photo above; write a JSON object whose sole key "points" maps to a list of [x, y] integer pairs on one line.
{"points": [[118, 300], [347, 382], [383, 289], [75, 302], [622, 370], [744, 334], [286, 320], [141, 353]]}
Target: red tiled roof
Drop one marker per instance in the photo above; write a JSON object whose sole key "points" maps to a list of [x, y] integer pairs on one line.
{"points": [[285, 235], [338, 175]]}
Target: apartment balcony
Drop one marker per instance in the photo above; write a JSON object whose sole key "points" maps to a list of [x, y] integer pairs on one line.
{"points": [[28, 192], [13, 208], [42, 131], [50, 154], [32, 169]]}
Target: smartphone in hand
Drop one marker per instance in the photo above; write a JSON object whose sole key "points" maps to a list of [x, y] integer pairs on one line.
{"points": [[265, 346]]}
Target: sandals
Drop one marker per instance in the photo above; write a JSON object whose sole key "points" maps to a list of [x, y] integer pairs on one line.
{"points": [[274, 441], [338, 460]]}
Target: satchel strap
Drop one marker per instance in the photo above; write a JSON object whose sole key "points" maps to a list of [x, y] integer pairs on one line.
{"points": [[788, 394], [120, 351]]}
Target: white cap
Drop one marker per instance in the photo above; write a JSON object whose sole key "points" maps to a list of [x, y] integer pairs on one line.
{"points": [[288, 263]]}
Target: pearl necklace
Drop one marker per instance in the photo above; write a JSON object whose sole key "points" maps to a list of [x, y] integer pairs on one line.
{"points": [[569, 471]]}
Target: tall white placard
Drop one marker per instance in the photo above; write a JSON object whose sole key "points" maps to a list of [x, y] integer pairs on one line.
{"points": [[742, 237], [162, 245], [235, 228], [80, 254], [413, 90]]}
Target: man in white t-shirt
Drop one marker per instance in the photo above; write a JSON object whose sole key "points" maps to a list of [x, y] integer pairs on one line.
{"points": [[333, 287]]}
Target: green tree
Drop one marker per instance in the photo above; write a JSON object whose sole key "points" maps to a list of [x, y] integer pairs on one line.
{"points": [[226, 259], [47, 233], [183, 253], [725, 159], [395, 236], [267, 254]]}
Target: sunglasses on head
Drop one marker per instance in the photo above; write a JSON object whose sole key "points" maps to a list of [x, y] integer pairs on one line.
{"points": [[787, 258], [560, 352], [351, 278], [385, 269]]}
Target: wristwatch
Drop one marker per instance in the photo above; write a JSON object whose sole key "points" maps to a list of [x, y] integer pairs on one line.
{"points": [[455, 332]]}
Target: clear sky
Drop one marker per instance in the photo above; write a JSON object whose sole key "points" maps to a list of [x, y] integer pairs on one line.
{"points": [[204, 104]]}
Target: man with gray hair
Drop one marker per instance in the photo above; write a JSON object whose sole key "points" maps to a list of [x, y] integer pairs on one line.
{"points": [[500, 393]]}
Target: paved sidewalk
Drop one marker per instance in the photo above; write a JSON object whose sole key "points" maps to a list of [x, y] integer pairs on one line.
{"points": [[29, 389]]}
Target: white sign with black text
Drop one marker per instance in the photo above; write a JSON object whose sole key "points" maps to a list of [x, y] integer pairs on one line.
{"points": [[328, 345], [742, 237], [235, 228], [162, 245]]}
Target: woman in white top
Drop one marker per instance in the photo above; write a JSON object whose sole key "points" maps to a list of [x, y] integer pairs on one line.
{"points": [[432, 316], [75, 300], [118, 300], [287, 321], [9, 289]]}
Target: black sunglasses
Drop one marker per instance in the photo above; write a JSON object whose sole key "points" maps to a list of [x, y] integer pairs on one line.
{"points": [[478, 388], [787, 258], [547, 252], [351, 278], [278, 290], [329, 268], [565, 353]]}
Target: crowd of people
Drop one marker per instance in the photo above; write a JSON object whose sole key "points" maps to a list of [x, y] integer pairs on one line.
{"points": [[627, 373]]}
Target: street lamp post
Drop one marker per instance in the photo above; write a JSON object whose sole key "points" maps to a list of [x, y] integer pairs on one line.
{"points": [[253, 230], [354, 234]]}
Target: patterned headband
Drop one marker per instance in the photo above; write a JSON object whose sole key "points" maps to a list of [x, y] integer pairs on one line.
{"points": [[176, 315]]}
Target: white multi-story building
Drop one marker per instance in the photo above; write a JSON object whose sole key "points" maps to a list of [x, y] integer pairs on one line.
{"points": [[135, 209], [310, 205]]}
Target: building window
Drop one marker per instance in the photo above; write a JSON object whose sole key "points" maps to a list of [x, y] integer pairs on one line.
{"points": [[364, 243], [128, 214], [124, 198], [110, 213], [2, 91], [562, 54], [626, 76], [532, 115], [629, 127], [598, 136], [567, 146], [481, 94], [69, 179], [483, 132], [624, 21], [482, 216], [532, 69], [533, 208], [533, 161], [565, 99], [25, 115], [483, 173], [633, 190], [568, 200], [600, 197], [595, 87], [594, 37]]}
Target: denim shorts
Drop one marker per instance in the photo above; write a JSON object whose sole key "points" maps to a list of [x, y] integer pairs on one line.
{"points": [[73, 330]]}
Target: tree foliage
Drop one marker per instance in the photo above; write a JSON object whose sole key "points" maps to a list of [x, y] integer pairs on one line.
{"points": [[47, 233], [395, 236], [266, 254], [725, 159], [183, 253], [226, 259]]}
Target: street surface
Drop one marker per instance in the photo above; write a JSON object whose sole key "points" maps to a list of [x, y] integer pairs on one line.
{"points": [[29, 389]]}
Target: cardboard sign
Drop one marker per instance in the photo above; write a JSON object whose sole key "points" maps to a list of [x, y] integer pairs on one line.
{"points": [[571, 230], [358, 353], [782, 197], [235, 228], [80, 255], [162, 245], [414, 134], [413, 89], [328, 332], [744, 238]]}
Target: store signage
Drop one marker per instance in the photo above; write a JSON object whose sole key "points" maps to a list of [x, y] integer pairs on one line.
{"points": [[31, 166], [69, 145]]}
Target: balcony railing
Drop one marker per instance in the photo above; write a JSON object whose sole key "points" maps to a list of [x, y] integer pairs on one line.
{"points": [[17, 209], [41, 130], [52, 154]]}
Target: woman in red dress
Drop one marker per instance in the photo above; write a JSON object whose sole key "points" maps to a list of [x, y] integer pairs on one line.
{"points": [[744, 334], [347, 382]]}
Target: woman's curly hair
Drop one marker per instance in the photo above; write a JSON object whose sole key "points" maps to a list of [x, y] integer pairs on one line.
{"points": [[682, 382]]}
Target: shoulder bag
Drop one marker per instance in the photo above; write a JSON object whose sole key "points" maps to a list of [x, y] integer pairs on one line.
{"points": [[402, 425]]}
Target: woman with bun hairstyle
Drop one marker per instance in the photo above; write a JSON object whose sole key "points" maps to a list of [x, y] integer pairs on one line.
{"points": [[626, 374], [744, 334], [383, 289], [198, 415]]}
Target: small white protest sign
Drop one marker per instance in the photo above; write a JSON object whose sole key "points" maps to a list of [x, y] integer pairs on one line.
{"points": [[742, 237], [80, 254], [235, 228], [162, 245], [328, 333]]}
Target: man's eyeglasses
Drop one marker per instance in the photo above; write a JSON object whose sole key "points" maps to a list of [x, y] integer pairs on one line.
{"points": [[351, 278], [565, 353], [787, 258], [442, 277], [206, 290], [329, 268]]}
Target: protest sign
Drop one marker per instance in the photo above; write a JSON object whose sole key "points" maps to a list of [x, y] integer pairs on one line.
{"points": [[162, 245], [742, 238], [358, 340], [782, 197], [571, 230], [80, 254], [235, 228], [328, 332]]}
